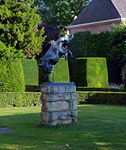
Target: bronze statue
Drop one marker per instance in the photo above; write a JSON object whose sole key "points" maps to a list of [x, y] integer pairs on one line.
{"points": [[55, 52]]}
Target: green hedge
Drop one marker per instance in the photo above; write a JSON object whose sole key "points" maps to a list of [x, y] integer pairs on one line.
{"points": [[60, 72], [30, 68], [19, 99], [110, 45], [11, 76], [90, 72], [85, 44], [79, 88], [23, 99], [95, 97]]}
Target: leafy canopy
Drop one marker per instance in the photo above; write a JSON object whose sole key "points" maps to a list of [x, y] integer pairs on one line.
{"points": [[60, 13], [18, 27]]}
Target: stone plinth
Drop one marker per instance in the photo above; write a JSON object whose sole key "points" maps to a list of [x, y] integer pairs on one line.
{"points": [[59, 104]]}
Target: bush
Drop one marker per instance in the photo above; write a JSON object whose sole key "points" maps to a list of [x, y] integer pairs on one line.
{"points": [[60, 73], [30, 68], [11, 76], [19, 99], [90, 72], [110, 45], [17, 28], [89, 97], [85, 44]]}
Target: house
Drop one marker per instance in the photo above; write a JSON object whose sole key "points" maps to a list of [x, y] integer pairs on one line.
{"points": [[99, 16]]}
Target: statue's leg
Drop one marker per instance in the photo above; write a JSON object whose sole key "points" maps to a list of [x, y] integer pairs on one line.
{"points": [[47, 70]]}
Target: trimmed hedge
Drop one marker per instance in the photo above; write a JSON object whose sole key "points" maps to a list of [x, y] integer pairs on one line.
{"points": [[11, 76], [23, 99], [19, 99], [90, 72], [79, 88], [95, 97], [60, 72], [110, 45], [30, 68], [85, 44]]}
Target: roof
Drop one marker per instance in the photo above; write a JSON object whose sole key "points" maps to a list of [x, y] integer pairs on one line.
{"points": [[101, 10]]}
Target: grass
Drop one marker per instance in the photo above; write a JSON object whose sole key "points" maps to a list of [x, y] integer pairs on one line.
{"points": [[99, 127]]}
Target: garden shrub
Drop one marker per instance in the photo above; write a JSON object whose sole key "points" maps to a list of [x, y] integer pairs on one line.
{"points": [[90, 72], [85, 44], [11, 75], [100, 97], [19, 99], [23, 99], [81, 88], [110, 45], [18, 26], [60, 72], [30, 68]]}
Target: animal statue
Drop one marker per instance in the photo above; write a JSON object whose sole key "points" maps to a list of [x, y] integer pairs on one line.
{"points": [[57, 49]]}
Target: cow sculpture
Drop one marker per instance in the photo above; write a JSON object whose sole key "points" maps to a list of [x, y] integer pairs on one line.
{"points": [[55, 52]]}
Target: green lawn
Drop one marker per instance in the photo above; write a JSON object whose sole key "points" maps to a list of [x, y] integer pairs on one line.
{"points": [[99, 127]]}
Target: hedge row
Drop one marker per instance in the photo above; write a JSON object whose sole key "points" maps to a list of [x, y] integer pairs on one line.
{"points": [[19, 99], [60, 72], [30, 68], [11, 76], [99, 97], [90, 72], [81, 88], [12, 99], [110, 45]]}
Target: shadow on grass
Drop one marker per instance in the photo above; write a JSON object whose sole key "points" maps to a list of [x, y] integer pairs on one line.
{"points": [[92, 132]]}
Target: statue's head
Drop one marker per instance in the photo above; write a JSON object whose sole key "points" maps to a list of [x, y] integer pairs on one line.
{"points": [[63, 42]]}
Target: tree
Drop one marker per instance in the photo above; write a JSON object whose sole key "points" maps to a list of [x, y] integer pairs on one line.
{"points": [[18, 26], [18, 36], [51, 33], [60, 13], [118, 44]]}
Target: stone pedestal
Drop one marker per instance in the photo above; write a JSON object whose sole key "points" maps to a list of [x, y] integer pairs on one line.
{"points": [[59, 104]]}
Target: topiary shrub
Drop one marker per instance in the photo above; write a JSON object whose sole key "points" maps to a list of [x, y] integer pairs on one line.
{"points": [[11, 75], [60, 72], [91, 72], [30, 68]]}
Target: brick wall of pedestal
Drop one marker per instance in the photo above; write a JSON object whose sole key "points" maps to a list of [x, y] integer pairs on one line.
{"points": [[59, 103]]}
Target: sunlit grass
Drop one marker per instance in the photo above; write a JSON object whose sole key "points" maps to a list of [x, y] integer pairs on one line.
{"points": [[99, 127]]}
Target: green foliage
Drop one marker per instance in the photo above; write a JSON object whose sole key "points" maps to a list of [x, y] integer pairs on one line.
{"points": [[95, 97], [85, 44], [110, 45], [19, 99], [8, 52], [118, 44], [30, 68], [60, 72], [11, 76], [17, 28], [60, 13], [90, 72]]}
